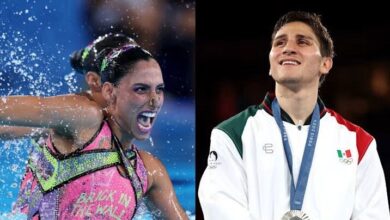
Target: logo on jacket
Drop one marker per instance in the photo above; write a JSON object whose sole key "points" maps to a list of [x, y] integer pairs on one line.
{"points": [[268, 148], [212, 161], [345, 156]]}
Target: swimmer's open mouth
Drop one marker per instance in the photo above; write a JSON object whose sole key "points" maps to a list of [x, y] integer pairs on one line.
{"points": [[145, 120]]}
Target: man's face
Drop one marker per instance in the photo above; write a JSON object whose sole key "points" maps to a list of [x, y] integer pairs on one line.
{"points": [[295, 57]]}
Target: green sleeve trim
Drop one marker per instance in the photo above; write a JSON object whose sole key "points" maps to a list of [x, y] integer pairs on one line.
{"points": [[235, 125]]}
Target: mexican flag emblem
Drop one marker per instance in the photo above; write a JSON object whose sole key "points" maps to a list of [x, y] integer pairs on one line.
{"points": [[345, 156]]}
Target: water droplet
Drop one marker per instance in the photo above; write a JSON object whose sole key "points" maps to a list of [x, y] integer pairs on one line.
{"points": [[31, 18]]}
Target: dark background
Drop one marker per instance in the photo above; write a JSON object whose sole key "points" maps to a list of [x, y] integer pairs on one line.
{"points": [[232, 46]]}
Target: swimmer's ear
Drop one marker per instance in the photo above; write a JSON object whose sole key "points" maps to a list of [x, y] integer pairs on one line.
{"points": [[94, 81], [108, 93]]}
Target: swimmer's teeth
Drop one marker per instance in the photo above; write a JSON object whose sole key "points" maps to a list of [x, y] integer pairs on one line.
{"points": [[149, 114]]}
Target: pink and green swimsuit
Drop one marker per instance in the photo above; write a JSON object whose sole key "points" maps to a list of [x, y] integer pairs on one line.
{"points": [[85, 184]]}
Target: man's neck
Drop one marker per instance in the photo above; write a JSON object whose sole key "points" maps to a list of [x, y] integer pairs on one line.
{"points": [[298, 104]]}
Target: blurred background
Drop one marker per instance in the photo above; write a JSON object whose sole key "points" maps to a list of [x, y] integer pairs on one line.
{"points": [[36, 39], [233, 42]]}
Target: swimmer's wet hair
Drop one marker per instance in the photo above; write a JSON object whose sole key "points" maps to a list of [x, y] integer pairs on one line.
{"points": [[116, 63], [85, 60]]}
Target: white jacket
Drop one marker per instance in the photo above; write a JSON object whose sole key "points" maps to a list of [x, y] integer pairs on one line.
{"points": [[248, 177]]}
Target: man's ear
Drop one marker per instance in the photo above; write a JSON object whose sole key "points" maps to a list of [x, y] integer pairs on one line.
{"points": [[94, 81], [326, 65], [108, 93]]}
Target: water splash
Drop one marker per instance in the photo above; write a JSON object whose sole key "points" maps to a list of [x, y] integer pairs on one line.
{"points": [[13, 216], [29, 62], [71, 81], [27, 69], [13, 155], [32, 62], [147, 211], [151, 141]]}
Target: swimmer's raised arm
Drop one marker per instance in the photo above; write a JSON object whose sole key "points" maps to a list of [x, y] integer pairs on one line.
{"points": [[66, 114], [15, 132]]}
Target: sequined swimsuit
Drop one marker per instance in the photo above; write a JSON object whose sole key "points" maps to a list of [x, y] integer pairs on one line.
{"points": [[85, 184]]}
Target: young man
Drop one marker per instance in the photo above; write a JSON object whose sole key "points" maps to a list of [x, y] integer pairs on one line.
{"points": [[291, 157]]}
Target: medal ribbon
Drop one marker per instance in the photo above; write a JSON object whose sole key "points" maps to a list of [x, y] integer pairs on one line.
{"points": [[297, 193]]}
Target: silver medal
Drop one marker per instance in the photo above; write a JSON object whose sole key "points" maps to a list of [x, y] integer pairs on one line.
{"points": [[295, 215]]}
